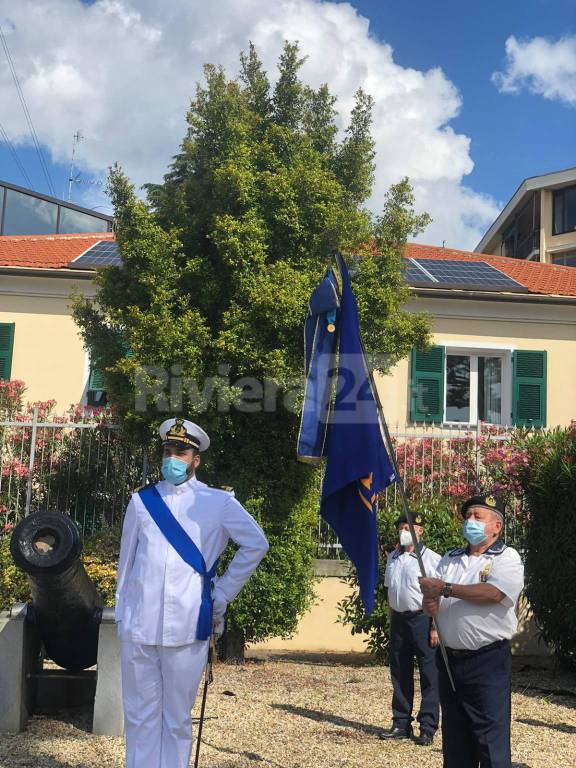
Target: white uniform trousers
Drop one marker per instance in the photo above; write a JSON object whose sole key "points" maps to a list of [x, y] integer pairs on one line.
{"points": [[159, 686]]}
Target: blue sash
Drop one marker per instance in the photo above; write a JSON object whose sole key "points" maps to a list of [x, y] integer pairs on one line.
{"points": [[188, 551]]}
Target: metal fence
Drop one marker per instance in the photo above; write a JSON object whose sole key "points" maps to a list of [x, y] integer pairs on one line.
{"points": [[84, 466]]}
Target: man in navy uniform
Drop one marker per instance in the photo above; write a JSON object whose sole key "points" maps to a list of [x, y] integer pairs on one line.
{"points": [[473, 598], [411, 635], [168, 597]]}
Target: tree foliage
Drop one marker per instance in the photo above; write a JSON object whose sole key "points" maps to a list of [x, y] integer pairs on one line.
{"points": [[217, 271], [549, 485]]}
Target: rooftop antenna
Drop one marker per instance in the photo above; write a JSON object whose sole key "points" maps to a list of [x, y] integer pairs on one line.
{"points": [[77, 139]]}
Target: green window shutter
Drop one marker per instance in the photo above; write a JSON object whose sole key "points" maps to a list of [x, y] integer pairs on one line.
{"points": [[427, 385], [6, 349], [529, 389], [96, 380]]}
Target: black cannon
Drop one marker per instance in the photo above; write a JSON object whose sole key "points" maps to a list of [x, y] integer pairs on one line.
{"points": [[66, 609]]}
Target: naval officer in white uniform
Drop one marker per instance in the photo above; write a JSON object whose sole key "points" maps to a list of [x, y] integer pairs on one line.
{"points": [[163, 603]]}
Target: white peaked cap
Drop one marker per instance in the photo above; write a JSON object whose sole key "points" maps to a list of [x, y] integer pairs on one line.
{"points": [[185, 432]]}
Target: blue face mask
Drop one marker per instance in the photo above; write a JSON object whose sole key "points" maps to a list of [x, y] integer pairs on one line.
{"points": [[474, 531], [174, 470]]}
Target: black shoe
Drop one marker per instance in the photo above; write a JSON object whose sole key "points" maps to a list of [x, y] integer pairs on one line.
{"points": [[396, 733], [425, 739]]}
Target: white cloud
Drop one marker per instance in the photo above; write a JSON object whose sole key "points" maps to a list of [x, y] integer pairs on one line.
{"points": [[540, 66], [124, 71]]}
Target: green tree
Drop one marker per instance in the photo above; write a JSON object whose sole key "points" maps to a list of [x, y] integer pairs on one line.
{"points": [[217, 271]]}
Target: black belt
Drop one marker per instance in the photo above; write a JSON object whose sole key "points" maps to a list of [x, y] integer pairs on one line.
{"points": [[409, 613], [489, 647]]}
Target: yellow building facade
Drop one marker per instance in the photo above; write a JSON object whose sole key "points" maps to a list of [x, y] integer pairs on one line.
{"points": [[47, 352]]}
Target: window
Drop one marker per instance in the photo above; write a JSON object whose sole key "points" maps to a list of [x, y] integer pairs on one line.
{"points": [[456, 385], [566, 259], [474, 388], [564, 211], [6, 349], [27, 215], [72, 222]]}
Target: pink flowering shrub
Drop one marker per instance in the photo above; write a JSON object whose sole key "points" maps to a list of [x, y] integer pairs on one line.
{"points": [[56, 451]]}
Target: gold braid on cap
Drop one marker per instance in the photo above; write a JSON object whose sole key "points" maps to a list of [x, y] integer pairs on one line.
{"points": [[177, 433]]}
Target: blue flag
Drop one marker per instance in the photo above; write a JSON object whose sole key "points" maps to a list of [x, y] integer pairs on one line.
{"points": [[320, 342], [358, 467]]}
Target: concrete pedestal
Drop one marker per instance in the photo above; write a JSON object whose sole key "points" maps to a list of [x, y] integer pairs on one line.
{"points": [[108, 712], [18, 653], [23, 685]]}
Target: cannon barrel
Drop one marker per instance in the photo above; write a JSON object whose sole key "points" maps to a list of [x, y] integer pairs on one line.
{"points": [[66, 608]]}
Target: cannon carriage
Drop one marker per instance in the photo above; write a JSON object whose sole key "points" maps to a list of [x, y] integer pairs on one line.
{"points": [[64, 624]]}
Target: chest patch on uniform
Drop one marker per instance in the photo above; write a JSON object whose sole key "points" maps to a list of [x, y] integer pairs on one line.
{"points": [[485, 572]]}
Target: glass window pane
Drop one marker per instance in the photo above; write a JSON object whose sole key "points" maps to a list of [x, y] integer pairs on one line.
{"points": [[565, 259], [570, 209], [558, 225], [490, 389], [72, 221], [458, 388], [27, 215]]}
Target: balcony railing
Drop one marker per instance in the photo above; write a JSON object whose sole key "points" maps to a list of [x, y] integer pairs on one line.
{"points": [[524, 248]]}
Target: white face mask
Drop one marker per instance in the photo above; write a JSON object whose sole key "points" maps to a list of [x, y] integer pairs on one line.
{"points": [[405, 539]]}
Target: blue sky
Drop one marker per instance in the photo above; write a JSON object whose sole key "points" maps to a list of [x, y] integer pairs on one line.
{"points": [[513, 135], [123, 73]]}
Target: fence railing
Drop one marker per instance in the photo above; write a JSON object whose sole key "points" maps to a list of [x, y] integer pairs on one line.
{"points": [[432, 461], [85, 467]]}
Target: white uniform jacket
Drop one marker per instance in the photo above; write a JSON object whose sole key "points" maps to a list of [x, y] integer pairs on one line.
{"points": [[470, 626], [158, 595], [401, 578]]}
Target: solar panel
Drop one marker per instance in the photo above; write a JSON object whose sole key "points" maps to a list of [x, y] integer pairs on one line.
{"points": [[414, 274], [474, 275], [104, 253]]}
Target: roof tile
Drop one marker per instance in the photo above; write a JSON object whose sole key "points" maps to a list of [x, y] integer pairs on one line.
{"points": [[46, 251]]}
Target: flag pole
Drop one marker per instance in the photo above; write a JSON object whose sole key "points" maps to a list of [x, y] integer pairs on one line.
{"points": [[403, 496], [405, 504]]}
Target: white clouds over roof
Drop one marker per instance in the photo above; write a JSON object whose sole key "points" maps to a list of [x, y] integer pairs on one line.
{"points": [[124, 71], [541, 66]]}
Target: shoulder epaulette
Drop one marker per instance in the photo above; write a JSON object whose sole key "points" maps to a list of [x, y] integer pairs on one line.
{"points": [[141, 487]]}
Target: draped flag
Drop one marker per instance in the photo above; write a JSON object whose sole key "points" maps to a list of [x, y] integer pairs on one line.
{"points": [[358, 467], [320, 341]]}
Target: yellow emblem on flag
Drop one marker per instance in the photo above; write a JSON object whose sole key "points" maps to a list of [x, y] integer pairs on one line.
{"points": [[364, 491]]}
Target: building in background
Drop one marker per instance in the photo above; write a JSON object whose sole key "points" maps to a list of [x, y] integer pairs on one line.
{"points": [[504, 333], [538, 223], [39, 340], [24, 212]]}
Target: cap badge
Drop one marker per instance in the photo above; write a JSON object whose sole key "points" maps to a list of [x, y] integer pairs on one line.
{"points": [[491, 501], [177, 430]]}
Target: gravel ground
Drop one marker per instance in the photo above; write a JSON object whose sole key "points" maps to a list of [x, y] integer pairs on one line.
{"points": [[283, 712]]}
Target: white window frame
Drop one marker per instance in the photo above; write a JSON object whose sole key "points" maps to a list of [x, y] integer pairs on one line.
{"points": [[474, 351]]}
